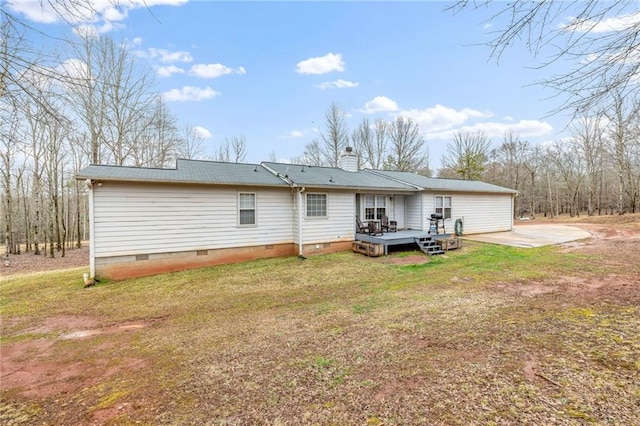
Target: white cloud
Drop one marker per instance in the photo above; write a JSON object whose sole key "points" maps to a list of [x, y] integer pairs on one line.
{"points": [[74, 68], [214, 70], [439, 117], [169, 70], [616, 23], [190, 94], [34, 10], [202, 132], [88, 30], [523, 128], [379, 104], [487, 25], [164, 55], [321, 64], [338, 84], [296, 134], [95, 12]]}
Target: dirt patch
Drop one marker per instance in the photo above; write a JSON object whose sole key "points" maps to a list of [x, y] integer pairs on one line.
{"points": [[616, 246], [28, 262], [46, 367]]}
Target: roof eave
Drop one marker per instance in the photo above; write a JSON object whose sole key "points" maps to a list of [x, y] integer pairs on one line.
{"points": [[191, 182]]}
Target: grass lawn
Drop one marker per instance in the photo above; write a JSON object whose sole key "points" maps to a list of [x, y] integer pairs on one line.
{"points": [[484, 335]]}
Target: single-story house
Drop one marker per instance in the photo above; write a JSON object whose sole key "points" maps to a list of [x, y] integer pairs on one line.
{"points": [[145, 221]]}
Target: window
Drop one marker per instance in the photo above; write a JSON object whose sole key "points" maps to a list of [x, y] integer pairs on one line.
{"points": [[246, 208], [443, 206], [375, 206], [316, 205]]}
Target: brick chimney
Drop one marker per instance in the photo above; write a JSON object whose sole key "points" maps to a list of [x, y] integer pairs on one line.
{"points": [[349, 160]]}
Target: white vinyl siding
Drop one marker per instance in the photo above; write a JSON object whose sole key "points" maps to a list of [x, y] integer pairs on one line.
{"points": [[483, 212], [148, 218], [414, 211], [341, 211]]}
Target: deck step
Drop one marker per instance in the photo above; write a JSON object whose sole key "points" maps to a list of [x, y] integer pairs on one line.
{"points": [[429, 246]]}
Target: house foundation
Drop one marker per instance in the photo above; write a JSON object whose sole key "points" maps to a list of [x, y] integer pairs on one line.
{"points": [[131, 266]]}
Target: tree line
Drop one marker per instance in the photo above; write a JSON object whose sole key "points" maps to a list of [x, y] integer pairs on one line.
{"points": [[596, 170]]}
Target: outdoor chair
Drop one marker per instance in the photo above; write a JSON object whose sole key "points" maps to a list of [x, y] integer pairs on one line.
{"points": [[374, 229], [388, 225], [363, 228]]}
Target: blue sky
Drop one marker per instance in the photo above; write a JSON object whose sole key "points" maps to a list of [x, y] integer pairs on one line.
{"points": [[268, 71]]}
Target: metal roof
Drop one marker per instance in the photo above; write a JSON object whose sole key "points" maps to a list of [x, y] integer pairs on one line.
{"points": [[187, 171], [333, 177], [441, 184]]}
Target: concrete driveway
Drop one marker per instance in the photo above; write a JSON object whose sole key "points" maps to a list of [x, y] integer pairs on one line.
{"points": [[532, 235]]}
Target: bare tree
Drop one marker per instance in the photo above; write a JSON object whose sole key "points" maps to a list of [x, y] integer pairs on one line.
{"points": [[335, 137], [600, 39], [18, 57], [35, 119], [158, 140], [8, 152], [407, 151], [224, 152], [191, 146], [587, 134], [532, 164], [112, 97], [55, 135], [468, 154], [361, 138], [623, 115], [312, 155], [232, 150], [238, 148], [128, 98], [87, 95], [512, 156], [571, 169], [372, 144]]}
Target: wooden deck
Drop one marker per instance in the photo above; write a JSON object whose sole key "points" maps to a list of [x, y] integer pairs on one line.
{"points": [[397, 238]]}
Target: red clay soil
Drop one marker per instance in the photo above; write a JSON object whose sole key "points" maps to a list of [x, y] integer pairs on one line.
{"points": [[616, 240]]}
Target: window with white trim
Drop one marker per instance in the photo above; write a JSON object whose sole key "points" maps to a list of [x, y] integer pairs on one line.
{"points": [[246, 208], [375, 206], [316, 205], [443, 205]]}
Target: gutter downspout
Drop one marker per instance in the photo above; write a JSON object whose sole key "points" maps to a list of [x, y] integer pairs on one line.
{"points": [[300, 239], [513, 203], [92, 240]]}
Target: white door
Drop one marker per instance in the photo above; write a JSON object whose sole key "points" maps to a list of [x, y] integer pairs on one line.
{"points": [[398, 210]]}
